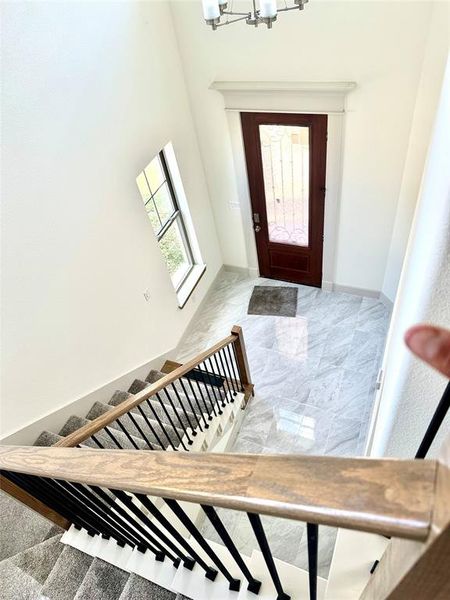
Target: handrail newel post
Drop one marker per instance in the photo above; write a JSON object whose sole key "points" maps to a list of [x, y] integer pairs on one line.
{"points": [[242, 360]]}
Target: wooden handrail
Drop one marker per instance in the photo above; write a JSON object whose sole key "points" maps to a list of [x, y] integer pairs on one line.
{"points": [[389, 497], [80, 435]]}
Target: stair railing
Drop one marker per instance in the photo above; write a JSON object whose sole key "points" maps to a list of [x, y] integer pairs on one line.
{"points": [[187, 398], [105, 493]]}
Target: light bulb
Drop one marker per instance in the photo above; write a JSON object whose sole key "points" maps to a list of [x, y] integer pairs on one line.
{"points": [[211, 9], [267, 8]]}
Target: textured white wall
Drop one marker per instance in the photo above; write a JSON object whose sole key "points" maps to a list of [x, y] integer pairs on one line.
{"points": [[91, 92], [411, 389], [419, 139], [379, 45]]}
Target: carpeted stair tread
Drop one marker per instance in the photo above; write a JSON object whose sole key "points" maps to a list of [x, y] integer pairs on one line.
{"points": [[22, 528], [138, 588], [67, 575], [154, 375], [38, 561], [47, 438], [16, 584], [178, 417], [137, 386], [74, 423], [151, 417], [99, 408], [102, 582]]}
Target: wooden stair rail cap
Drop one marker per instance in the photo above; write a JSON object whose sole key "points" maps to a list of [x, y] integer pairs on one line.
{"points": [[78, 436], [384, 496]]}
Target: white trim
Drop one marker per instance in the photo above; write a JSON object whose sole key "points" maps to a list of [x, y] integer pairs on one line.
{"points": [[299, 97], [316, 87], [337, 287], [386, 301]]}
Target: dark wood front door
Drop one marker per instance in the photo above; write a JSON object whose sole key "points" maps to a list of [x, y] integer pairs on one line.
{"points": [[286, 162]]}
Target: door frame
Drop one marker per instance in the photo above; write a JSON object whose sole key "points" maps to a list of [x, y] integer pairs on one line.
{"points": [[313, 253], [297, 97]]}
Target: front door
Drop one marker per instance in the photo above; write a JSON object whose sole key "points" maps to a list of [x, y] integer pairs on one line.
{"points": [[286, 161]]}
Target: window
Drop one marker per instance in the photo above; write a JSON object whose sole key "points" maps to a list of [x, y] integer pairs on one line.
{"points": [[160, 200]]}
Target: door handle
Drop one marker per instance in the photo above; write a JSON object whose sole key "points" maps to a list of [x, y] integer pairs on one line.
{"points": [[257, 228]]}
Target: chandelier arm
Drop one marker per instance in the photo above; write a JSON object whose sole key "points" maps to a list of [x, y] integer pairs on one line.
{"points": [[247, 15], [230, 12], [296, 7]]}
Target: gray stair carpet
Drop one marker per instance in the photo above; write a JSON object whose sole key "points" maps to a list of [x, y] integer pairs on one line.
{"points": [[99, 408], [67, 575], [47, 438], [137, 386], [15, 539], [73, 423], [138, 588], [102, 581], [118, 398], [154, 375], [24, 574]]}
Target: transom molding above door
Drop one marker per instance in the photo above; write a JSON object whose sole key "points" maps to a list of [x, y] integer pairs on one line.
{"points": [[285, 96]]}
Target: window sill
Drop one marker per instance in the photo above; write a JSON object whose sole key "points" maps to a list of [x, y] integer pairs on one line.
{"points": [[190, 284]]}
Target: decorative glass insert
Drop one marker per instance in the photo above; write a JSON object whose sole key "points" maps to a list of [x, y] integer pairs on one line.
{"points": [[285, 160], [158, 195]]}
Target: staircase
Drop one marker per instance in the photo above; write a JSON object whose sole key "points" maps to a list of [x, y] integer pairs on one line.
{"points": [[139, 490]]}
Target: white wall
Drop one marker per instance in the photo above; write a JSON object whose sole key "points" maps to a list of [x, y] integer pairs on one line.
{"points": [[380, 46], [419, 138], [411, 389], [91, 92]]}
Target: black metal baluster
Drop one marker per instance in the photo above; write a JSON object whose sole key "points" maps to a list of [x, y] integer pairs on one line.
{"points": [[123, 497], [106, 522], [171, 422], [124, 516], [208, 409], [191, 405], [210, 572], [212, 388], [175, 411], [94, 439], [236, 364], [211, 398], [150, 426], [210, 370], [123, 428], [113, 437], [139, 429], [233, 368], [234, 584], [435, 423], [223, 388], [230, 380], [26, 482], [155, 414], [86, 491], [312, 532], [253, 584], [183, 408], [87, 514], [258, 530]]}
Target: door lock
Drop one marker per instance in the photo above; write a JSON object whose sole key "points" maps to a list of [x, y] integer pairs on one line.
{"points": [[257, 228]]}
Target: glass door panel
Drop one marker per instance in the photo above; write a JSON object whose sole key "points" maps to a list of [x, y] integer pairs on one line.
{"points": [[285, 162]]}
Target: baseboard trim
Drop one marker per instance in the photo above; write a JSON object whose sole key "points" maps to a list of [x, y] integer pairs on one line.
{"points": [[356, 291], [386, 301]]}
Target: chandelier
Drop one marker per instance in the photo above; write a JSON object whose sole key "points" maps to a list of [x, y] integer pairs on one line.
{"points": [[266, 12]]}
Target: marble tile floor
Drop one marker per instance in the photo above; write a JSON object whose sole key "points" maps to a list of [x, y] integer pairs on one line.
{"points": [[314, 377]]}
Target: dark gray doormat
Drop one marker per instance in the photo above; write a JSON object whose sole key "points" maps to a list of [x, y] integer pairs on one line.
{"points": [[279, 301]]}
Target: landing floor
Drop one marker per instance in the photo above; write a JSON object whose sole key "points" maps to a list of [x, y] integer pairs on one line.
{"points": [[314, 377]]}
